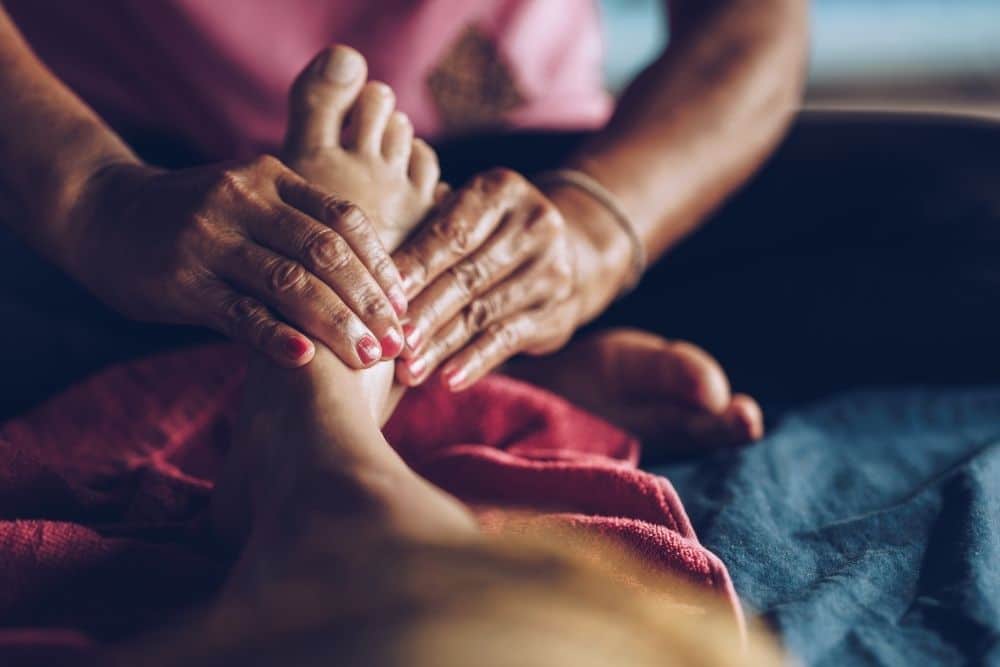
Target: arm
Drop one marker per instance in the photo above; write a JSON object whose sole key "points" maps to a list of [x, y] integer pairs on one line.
{"points": [[686, 134], [251, 250], [51, 143], [694, 125]]}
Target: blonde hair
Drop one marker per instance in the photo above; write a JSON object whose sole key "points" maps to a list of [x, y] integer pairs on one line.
{"points": [[379, 600]]}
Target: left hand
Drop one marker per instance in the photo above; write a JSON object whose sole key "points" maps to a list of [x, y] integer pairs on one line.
{"points": [[497, 272]]}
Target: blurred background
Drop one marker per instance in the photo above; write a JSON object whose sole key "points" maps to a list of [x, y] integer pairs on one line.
{"points": [[941, 55]]}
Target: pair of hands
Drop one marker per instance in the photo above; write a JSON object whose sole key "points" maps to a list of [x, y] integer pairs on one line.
{"points": [[259, 254]]}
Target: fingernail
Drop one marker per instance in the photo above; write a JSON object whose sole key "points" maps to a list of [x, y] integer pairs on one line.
{"points": [[368, 350], [416, 366], [342, 66], [398, 300], [411, 335], [296, 347], [392, 344], [454, 377]]}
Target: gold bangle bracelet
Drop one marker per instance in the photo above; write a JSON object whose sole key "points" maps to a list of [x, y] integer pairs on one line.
{"points": [[589, 185]]}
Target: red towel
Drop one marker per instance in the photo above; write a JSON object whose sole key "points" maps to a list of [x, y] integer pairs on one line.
{"points": [[103, 490]]}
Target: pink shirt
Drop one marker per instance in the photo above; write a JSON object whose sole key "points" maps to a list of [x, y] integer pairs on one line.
{"points": [[215, 73]]}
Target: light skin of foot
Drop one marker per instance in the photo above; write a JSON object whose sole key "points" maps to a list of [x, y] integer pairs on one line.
{"points": [[308, 452], [345, 135], [308, 448], [671, 394]]}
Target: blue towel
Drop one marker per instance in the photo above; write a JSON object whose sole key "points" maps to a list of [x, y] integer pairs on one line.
{"points": [[866, 528]]}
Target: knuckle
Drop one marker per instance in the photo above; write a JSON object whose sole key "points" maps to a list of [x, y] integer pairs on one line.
{"points": [[479, 313], [374, 307], [242, 314], [231, 182], [347, 217], [339, 317], [546, 220], [506, 338], [453, 233], [286, 277], [468, 276], [328, 251], [383, 265], [561, 270], [267, 164], [415, 263], [496, 180]]}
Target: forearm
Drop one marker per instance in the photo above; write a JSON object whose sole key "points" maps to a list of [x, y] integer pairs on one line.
{"points": [[51, 143], [698, 122]]}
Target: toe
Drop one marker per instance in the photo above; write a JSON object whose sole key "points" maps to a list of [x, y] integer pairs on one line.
{"points": [[424, 170], [640, 364], [746, 419], [398, 139], [321, 97], [369, 118]]}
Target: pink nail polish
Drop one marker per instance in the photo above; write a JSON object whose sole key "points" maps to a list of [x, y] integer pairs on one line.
{"points": [[392, 344], [398, 300], [411, 335], [455, 377], [416, 366], [368, 350], [296, 347]]}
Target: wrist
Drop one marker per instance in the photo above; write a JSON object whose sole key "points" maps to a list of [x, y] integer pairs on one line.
{"points": [[603, 253], [97, 196]]}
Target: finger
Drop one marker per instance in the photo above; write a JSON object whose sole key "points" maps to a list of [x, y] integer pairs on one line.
{"points": [[351, 223], [369, 118], [464, 223], [320, 97], [520, 237], [246, 320], [302, 298], [398, 139], [523, 291], [501, 341]]}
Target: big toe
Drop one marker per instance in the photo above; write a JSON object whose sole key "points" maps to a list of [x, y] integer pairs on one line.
{"points": [[647, 365], [321, 97]]}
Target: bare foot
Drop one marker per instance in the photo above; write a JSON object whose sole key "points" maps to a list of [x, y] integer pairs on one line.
{"points": [[308, 443], [673, 395], [307, 451], [345, 135]]}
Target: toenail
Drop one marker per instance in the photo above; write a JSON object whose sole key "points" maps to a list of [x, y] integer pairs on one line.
{"points": [[342, 66]]}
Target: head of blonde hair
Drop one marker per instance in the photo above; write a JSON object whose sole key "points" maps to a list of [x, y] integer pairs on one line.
{"points": [[379, 600]]}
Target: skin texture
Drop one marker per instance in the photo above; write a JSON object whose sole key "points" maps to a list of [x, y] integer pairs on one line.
{"points": [[687, 132], [235, 247], [685, 407], [347, 557]]}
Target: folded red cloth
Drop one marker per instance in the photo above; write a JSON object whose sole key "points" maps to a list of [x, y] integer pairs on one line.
{"points": [[103, 488]]}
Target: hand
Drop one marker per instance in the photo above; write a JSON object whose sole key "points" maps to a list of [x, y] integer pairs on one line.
{"points": [[251, 250], [498, 272]]}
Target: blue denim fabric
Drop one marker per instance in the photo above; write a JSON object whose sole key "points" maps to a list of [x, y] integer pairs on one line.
{"points": [[866, 528]]}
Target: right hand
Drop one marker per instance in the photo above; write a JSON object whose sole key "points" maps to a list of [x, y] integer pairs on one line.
{"points": [[251, 250]]}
